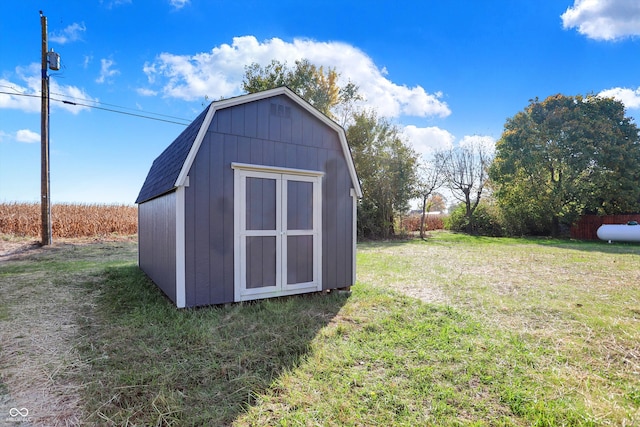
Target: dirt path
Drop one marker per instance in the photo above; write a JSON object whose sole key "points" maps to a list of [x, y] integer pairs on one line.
{"points": [[37, 330], [12, 249]]}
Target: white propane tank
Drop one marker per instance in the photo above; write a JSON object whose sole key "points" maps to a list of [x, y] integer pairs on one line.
{"points": [[629, 232]]}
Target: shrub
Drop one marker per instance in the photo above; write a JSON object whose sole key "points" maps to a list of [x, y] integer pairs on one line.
{"points": [[486, 220]]}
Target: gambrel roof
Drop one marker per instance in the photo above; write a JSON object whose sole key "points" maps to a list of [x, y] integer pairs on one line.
{"points": [[170, 169], [167, 166]]}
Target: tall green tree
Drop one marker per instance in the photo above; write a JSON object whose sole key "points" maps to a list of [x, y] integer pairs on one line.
{"points": [[387, 168], [317, 85], [564, 157]]}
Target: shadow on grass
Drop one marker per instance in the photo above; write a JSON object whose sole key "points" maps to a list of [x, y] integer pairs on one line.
{"points": [[589, 245], [449, 238], [152, 364], [370, 243]]}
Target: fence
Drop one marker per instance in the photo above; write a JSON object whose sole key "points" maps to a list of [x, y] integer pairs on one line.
{"points": [[587, 227]]}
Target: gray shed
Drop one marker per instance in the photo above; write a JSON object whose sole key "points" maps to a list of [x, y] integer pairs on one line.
{"points": [[256, 198]]}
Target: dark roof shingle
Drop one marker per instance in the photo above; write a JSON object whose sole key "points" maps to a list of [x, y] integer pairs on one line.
{"points": [[166, 167]]}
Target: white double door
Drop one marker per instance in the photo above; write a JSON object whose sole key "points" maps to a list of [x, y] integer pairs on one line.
{"points": [[278, 232]]}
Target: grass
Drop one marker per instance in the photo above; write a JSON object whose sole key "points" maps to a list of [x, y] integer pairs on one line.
{"points": [[573, 306], [208, 364], [452, 331]]}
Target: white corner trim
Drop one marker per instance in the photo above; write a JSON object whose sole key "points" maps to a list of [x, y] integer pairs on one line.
{"points": [[181, 300], [354, 238], [346, 151]]}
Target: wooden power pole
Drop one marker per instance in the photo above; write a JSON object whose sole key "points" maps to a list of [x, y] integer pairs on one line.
{"points": [[45, 191]]}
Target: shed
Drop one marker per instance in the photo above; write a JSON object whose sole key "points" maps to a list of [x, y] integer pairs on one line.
{"points": [[256, 198]]}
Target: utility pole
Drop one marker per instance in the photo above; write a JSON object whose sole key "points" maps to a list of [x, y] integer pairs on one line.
{"points": [[45, 191]]}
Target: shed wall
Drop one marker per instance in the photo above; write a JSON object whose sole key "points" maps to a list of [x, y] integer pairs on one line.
{"points": [[270, 132], [157, 241]]}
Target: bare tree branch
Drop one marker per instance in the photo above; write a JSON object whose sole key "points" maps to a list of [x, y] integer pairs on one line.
{"points": [[466, 173], [431, 177]]}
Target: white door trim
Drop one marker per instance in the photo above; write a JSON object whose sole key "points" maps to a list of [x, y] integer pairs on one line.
{"points": [[282, 177]]}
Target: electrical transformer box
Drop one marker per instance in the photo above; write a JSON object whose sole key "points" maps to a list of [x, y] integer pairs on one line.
{"points": [[54, 60]]}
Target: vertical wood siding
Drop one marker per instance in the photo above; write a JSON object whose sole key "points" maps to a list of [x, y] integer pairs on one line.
{"points": [[261, 261], [157, 242], [288, 137], [299, 205], [299, 259]]}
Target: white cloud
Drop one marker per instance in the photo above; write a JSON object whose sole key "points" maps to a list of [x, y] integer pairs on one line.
{"points": [[179, 4], [604, 19], [18, 101], [146, 92], [70, 34], [106, 72], [110, 4], [486, 142], [219, 73], [629, 97], [27, 93], [28, 136], [428, 140]]}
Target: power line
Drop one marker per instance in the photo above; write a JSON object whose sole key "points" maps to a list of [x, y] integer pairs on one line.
{"points": [[117, 106], [119, 112], [64, 101], [92, 101]]}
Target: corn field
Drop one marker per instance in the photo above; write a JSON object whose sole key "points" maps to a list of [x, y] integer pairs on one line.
{"points": [[411, 223], [69, 220]]}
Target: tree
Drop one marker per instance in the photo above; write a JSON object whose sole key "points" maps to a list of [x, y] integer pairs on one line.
{"points": [[436, 203], [466, 173], [387, 167], [564, 157], [317, 85], [431, 177], [348, 98]]}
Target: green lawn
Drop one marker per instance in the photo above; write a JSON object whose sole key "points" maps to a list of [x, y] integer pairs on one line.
{"points": [[454, 330]]}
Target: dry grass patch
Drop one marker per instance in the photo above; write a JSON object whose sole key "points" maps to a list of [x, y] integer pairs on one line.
{"points": [[574, 302]]}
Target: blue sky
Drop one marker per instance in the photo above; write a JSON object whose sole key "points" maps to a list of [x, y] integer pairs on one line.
{"points": [[445, 72]]}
